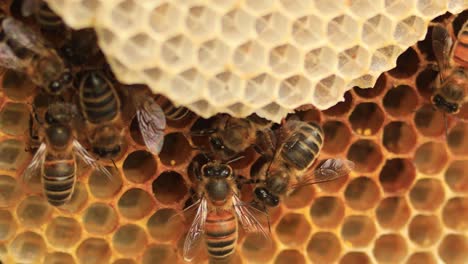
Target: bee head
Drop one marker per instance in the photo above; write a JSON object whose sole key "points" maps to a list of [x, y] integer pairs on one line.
{"points": [[443, 105], [263, 195], [217, 171]]}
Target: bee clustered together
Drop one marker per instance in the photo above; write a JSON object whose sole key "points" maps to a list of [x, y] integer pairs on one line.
{"points": [[405, 201]]}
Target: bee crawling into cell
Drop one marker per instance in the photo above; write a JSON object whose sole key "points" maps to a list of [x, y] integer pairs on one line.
{"points": [[24, 50], [298, 148], [56, 157], [451, 88], [218, 211]]}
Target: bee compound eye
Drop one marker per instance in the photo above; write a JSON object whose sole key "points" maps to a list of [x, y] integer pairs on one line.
{"points": [[55, 86]]}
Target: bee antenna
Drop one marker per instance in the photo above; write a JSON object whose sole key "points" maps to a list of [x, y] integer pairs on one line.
{"points": [[113, 162], [235, 159]]}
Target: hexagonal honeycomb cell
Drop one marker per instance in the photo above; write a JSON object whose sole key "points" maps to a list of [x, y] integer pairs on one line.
{"points": [[406, 201], [156, 43]]}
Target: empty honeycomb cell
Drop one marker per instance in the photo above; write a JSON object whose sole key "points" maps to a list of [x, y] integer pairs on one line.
{"points": [[211, 55], [293, 229], [17, 86], [409, 30], [34, 211], [122, 14], [14, 119], [138, 48], [307, 30], [341, 108], [398, 8], [400, 101], [455, 214], [327, 211], [300, 197], [100, 218], [362, 193], [176, 52], [12, 155], [249, 56], [135, 204], [236, 24], [272, 27], [342, 31], [199, 21], [257, 248], [282, 59], [326, 89], [258, 90], [430, 8], [58, 258], [456, 176], [355, 258], [63, 232], [28, 247], [93, 251], [161, 253], [164, 18], [78, 199], [392, 212], [424, 230], [293, 89], [289, 256], [182, 84], [139, 166], [129, 240], [407, 64], [397, 175], [427, 194], [320, 62], [430, 157], [124, 261], [358, 230], [429, 122], [224, 88], [366, 155], [165, 225], [375, 30], [399, 137], [421, 258], [10, 190], [7, 225], [324, 247], [390, 248], [169, 187], [103, 187], [425, 80], [458, 139], [366, 119], [377, 90], [454, 249], [353, 62]]}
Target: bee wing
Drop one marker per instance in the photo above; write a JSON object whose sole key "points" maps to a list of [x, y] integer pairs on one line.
{"points": [[152, 122], [23, 35], [36, 162], [330, 170], [88, 159], [441, 45], [195, 234], [8, 58], [28, 7], [248, 221]]}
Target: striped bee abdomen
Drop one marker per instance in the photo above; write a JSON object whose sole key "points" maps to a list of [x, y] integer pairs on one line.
{"points": [[58, 178], [99, 99], [460, 51], [220, 233], [47, 18], [170, 110]]}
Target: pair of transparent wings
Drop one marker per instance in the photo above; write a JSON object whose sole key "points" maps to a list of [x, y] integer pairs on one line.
{"points": [[244, 213], [152, 122], [19, 33], [38, 160], [329, 170]]}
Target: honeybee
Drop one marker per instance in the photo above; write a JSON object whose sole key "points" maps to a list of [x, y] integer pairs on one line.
{"points": [[290, 167], [56, 156], [44, 16], [24, 50], [100, 106], [218, 209], [230, 136], [171, 111], [451, 88]]}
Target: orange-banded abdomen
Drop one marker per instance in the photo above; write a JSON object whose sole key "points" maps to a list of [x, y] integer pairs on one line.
{"points": [[171, 111], [58, 178], [460, 50], [220, 233]]}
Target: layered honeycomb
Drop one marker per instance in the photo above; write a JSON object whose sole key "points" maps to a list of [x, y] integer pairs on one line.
{"points": [[406, 201], [262, 56]]}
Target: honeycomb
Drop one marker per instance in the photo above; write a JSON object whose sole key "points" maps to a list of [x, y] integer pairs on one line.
{"points": [[406, 201], [262, 56]]}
